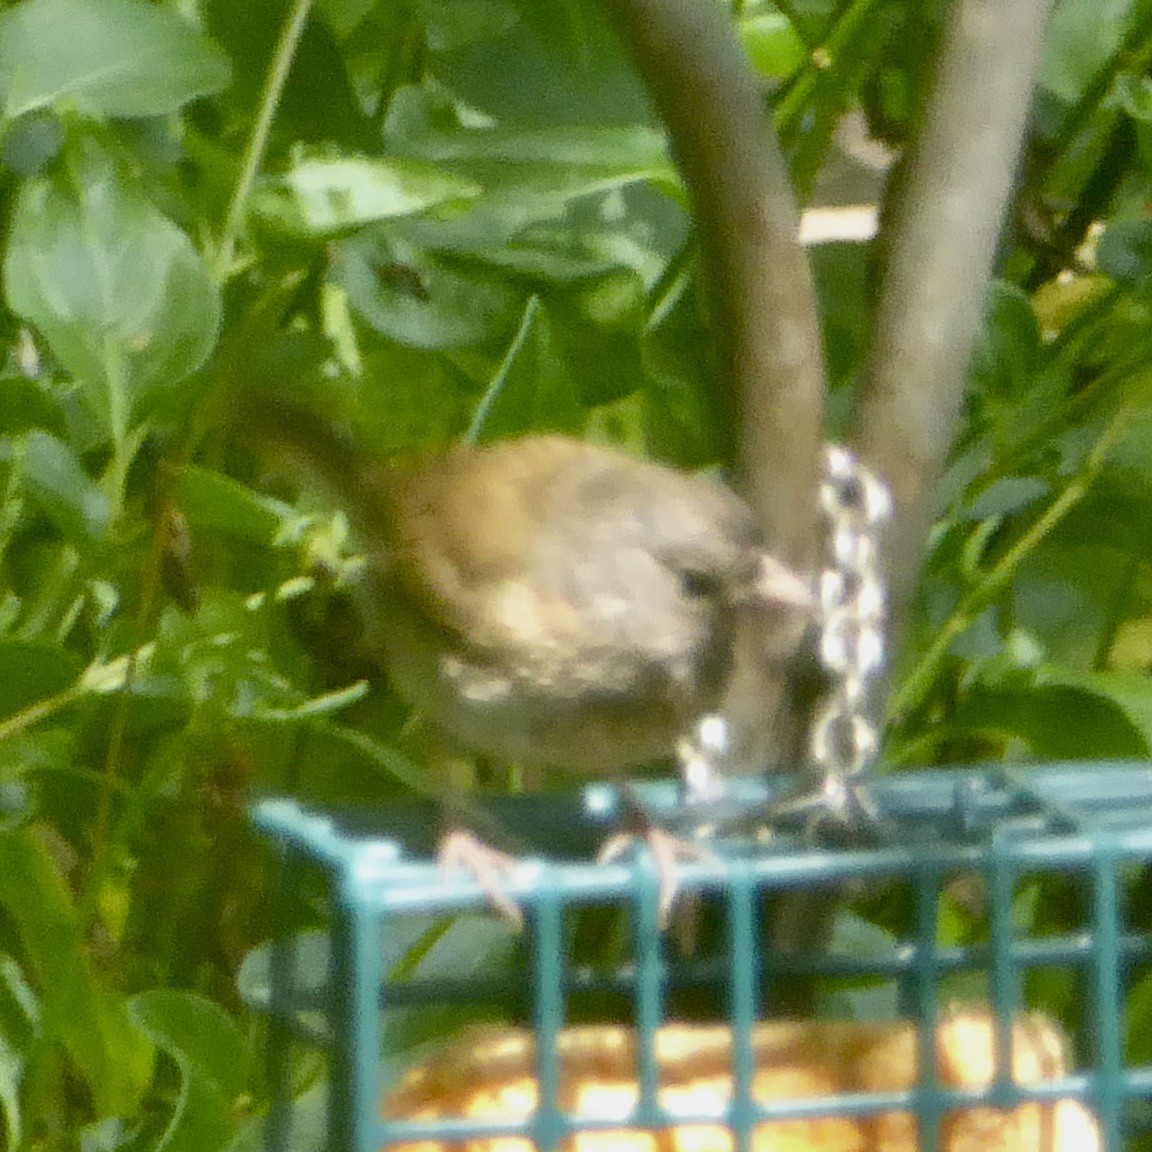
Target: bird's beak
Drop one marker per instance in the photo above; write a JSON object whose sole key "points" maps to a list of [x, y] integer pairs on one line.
{"points": [[777, 584]]}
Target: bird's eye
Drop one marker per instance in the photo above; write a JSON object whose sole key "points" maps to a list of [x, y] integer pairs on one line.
{"points": [[699, 585]]}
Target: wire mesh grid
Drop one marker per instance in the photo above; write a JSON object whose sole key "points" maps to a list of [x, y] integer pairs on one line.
{"points": [[1058, 855]]}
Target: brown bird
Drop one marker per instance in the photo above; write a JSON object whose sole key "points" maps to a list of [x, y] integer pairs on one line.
{"points": [[550, 602]]}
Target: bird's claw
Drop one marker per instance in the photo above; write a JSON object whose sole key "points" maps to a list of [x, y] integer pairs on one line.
{"points": [[464, 851], [668, 852]]}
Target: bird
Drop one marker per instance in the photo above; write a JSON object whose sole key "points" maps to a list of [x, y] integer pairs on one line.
{"points": [[547, 601]]}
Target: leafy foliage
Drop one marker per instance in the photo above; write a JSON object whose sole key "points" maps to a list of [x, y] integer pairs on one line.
{"points": [[453, 219]]}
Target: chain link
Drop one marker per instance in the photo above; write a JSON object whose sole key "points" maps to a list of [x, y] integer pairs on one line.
{"points": [[851, 600], [850, 609]]}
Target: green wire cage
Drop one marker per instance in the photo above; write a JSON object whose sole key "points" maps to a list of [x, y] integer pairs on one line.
{"points": [[1049, 864]]}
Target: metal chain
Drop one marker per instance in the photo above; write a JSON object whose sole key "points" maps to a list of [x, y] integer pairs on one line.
{"points": [[845, 733], [850, 610]]}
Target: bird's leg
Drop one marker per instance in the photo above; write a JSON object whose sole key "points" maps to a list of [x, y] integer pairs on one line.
{"points": [[668, 850], [461, 849]]}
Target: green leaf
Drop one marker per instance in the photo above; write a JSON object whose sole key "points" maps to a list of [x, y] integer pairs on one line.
{"points": [[323, 705], [1138, 1023], [860, 939], [307, 1122], [30, 672], [1134, 94], [435, 949], [556, 164], [772, 44], [1130, 692], [312, 965], [24, 404], [57, 483], [618, 155], [562, 63], [531, 391], [117, 290], [680, 421], [596, 324], [92, 1025], [1082, 35], [19, 1005], [104, 57], [451, 24], [409, 401], [1007, 348], [31, 142], [320, 101], [419, 300], [420, 946], [208, 1048], [1011, 494], [843, 275], [19, 1028], [342, 16], [218, 503], [1125, 251], [1054, 720], [109, 1135], [11, 1078], [320, 198]]}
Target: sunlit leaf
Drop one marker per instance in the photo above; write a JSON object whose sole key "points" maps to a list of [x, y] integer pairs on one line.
{"points": [[117, 290], [562, 163], [11, 1077], [19, 1028], [326, 197], [1134, 94], [104, 57], [772, 44], [317, 705]]}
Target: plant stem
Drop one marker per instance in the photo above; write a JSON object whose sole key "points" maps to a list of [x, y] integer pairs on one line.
{"points": [[281, 65], [41, 710]]}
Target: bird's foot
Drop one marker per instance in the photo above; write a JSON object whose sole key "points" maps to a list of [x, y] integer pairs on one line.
{"points": [[464, 851], [668, 850], [840, 811]]}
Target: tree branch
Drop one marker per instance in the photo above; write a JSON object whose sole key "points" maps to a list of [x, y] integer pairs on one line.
{"points": [[940, 261], [764, 303]]}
